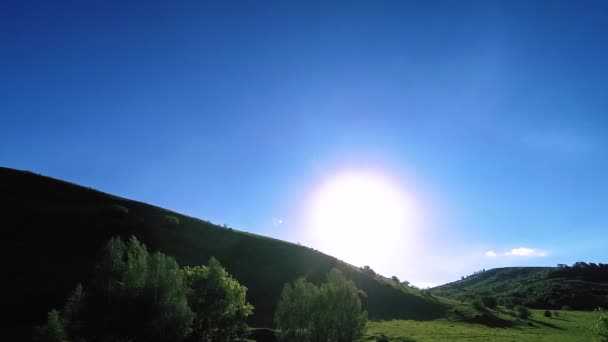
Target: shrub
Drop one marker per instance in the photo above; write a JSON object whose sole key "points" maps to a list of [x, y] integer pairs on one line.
{"points": [[556, 313], [489, 302], [522, 311], [478, 304], [115, 211], [547, 313], [170, 220], [599, 329], [369, 271]]}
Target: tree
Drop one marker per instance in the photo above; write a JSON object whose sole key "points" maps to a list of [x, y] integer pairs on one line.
{"points": [[218, 301], [600, 328], [330, 312], [295, 311], [138, 295], [395, 279], [53, 330]]}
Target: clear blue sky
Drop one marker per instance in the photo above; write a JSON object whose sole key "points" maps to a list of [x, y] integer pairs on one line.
{"points": [[494, 114]]}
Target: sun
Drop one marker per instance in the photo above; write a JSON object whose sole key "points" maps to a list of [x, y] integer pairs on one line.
{"points": [[360, 217]]}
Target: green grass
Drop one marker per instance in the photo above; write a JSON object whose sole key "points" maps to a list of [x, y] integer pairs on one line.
{"points": [[570, 326]]}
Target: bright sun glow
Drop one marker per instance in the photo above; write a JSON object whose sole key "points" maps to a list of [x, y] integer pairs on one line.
{"points": [[360, 218]]}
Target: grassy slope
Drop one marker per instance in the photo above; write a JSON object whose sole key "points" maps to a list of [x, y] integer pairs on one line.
{"points": [[52, 232], [528, 283], [570, 326]]}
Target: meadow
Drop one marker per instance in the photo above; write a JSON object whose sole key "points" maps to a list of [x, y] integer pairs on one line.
{"points": [[570, 326]]}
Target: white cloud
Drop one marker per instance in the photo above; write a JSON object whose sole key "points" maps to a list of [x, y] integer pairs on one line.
{"points": [[526, 252], [490, 254]]}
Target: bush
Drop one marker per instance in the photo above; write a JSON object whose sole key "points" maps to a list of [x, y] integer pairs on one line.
{"points": [[330, 312], [115, 211], [478, 304], [170, 220], [599, 329], [522, 311], [489, 302], [547, 313], [556, 313]]}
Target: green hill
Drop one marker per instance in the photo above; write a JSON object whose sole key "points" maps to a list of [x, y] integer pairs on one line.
{"points": [[53, 230], [582, 286]]}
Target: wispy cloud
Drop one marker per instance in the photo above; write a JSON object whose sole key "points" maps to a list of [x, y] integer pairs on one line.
{"points": [[491, 254], [525, 252]]}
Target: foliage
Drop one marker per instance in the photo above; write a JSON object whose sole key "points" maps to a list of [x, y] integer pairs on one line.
{"points": [[478, 304], [547, 313], [171, 220], [53, 330], [534, 287], [329, 312], [369, 271], [115, 210], [218, 301], [600, 328], [522, 311], [592, 272], [489, 302], [138, 296]]}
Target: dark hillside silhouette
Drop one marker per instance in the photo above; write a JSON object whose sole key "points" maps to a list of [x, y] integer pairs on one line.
{"points": [[53, 231]]}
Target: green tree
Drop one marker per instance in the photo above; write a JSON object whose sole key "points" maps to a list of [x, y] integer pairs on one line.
{"points": [[73, 313], [600, 328], [53, 330], [218, 301], [295, 311], [330, 312]]}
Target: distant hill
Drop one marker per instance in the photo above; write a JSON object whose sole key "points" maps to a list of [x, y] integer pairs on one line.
{"points": [[53, 230], [581, 286]]}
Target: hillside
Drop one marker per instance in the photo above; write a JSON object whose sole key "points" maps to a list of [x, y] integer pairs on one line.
{"points": [[53, 231], [582, 286]]}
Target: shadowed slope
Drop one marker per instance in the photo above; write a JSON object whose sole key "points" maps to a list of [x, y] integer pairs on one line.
{"points": [[53, 231]]}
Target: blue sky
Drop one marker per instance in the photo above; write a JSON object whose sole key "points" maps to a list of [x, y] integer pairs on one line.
{"points": [[492, 116]]}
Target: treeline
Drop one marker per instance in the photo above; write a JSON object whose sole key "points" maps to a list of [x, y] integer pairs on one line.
{"points": [[597, 273], [135, 295]]}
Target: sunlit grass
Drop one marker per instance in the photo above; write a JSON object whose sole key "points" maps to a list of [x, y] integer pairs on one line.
{"points": [[568, 327]]}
